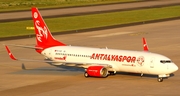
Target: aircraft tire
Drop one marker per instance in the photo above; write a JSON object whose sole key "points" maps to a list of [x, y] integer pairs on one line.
{"points": [[86, 74], [160, 79]]}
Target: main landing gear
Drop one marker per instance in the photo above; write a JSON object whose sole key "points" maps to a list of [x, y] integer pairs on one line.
{"points": [[112, 72]]}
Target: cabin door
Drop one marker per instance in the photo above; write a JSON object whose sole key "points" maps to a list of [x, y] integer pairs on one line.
{"points": [[50, 53], [152, 62]]}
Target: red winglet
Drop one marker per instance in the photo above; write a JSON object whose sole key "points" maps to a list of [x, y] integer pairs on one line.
{"points": [[10, 54], [145, 46]]}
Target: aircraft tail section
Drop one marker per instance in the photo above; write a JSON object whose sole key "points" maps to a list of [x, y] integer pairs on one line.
{"points": [[44, 37]]}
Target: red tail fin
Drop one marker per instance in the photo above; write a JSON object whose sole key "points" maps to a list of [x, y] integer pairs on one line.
{"points": [[44, 37], [145, 46]]}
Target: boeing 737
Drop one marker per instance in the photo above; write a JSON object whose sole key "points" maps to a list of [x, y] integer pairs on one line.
{"points": [[97, 62]]}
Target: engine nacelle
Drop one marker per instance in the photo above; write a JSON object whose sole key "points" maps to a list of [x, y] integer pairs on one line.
{"points": [[97, 71]]}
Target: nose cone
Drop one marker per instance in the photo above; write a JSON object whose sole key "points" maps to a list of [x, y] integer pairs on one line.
{"points": [[173, 67], [176, 67]]}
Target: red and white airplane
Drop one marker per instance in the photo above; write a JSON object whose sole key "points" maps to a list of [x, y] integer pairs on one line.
{"points": [[96, 61]]}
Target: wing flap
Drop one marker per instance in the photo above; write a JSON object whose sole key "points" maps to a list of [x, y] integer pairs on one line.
{"points": [[86, 65]]}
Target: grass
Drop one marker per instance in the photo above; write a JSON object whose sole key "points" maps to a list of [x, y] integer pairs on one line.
{"points": [[9, 5], [91, 21]]}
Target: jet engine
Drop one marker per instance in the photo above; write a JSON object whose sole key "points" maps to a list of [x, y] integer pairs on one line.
{"points": [[96, 71]]}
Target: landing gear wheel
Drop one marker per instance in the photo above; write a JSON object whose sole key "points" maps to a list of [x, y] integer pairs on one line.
{"points": [[86, 74], [160, 79]]}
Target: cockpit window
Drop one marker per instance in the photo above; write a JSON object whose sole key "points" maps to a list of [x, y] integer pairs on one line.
{"points": [[165, 61]]}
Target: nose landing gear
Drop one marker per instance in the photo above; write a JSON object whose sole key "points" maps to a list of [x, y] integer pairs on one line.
{"points": [[160, 79]]}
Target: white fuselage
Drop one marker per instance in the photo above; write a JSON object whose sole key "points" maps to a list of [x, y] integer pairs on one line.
{"points": [[119, 60]]}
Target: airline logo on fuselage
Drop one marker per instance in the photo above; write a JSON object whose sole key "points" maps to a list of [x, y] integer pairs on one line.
{"points": [[60, 58], [140, 60], [109, 57]]}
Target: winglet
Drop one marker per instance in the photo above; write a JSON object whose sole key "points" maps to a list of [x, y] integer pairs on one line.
{"points": [[145, 46], [9, 53]]}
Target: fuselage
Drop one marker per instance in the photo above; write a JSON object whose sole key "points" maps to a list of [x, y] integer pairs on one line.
{"points": [[120, 60]]}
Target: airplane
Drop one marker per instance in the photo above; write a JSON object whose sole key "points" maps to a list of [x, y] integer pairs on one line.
{"points": [[97, 62]]}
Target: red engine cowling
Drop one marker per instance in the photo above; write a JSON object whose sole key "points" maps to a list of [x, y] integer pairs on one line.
{"points": [[97, 71]]}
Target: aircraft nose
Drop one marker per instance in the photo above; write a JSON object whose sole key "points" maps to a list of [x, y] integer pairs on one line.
{"points": [[174, 67]]}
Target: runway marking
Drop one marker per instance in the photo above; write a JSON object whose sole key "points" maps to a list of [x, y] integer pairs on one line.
{"points": [[112, 34]]}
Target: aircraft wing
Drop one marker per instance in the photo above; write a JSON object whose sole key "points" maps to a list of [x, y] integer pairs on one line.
{"points": [[14, 58], [77, 64], [86, 65]]}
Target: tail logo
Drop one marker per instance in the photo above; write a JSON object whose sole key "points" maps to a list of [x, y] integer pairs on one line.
{"points": [[42, 32]]}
